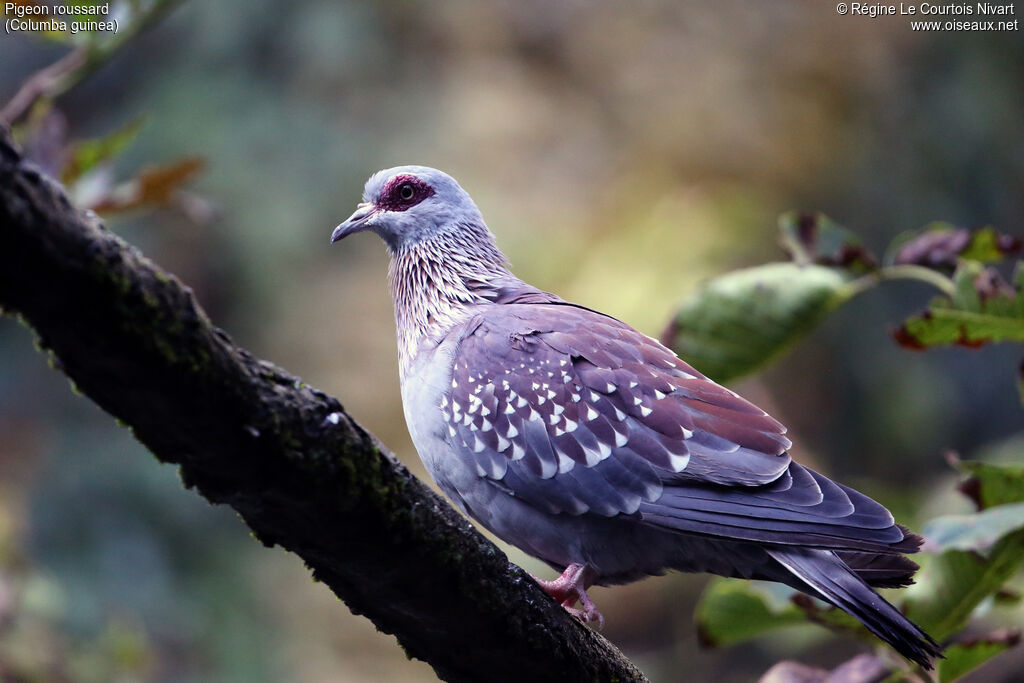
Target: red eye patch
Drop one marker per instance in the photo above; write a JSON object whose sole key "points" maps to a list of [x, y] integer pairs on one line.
{"points": [[402, 192]]}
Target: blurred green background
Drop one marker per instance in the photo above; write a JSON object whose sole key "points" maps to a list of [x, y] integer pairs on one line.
{"points": [[622, 153]]}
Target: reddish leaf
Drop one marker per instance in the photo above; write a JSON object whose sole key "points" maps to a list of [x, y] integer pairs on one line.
{"points": [[154, 186]]}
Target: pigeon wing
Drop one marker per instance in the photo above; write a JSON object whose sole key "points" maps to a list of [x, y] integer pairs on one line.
{"points": [[576, 412]]}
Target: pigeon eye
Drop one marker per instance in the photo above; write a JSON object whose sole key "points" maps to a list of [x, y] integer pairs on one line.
{"points": [[403, 192]]}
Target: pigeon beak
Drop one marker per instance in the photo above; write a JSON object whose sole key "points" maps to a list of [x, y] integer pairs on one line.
{"points": [[354, 223]]}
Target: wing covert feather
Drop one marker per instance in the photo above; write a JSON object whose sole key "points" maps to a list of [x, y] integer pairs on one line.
{"points": [[543, 391]]}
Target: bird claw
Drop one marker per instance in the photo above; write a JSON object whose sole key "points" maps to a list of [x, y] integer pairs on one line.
{"points": [[589, 613], [570, 588]]}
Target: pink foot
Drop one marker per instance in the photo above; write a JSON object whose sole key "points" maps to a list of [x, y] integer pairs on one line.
{"points": [[570, 588]]}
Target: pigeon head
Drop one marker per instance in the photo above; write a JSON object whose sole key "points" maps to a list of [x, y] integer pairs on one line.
{"points": [[410, 205]]}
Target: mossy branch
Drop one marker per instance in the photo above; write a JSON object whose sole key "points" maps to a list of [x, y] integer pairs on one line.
{"points": [[297, 468]]}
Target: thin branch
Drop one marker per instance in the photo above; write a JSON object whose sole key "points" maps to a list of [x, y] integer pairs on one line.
{"points": [[42, 83], [909, 271], [297, 468], [903, 272]]}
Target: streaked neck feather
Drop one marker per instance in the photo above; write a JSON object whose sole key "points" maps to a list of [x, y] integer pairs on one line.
{"points": [[436, 284]]}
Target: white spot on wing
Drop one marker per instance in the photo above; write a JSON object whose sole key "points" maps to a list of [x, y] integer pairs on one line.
{"points": [[548, 468], [565, 463], [678, 463]]}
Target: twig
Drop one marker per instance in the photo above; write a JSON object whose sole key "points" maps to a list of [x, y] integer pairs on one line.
{"points": [[903, 272]]}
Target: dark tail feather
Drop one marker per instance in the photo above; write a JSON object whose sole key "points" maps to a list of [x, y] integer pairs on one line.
{"points": [[881, 571], [829, 578]]}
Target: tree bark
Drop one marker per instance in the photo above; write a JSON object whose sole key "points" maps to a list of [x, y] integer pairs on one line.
{"points": [[301, 472]]}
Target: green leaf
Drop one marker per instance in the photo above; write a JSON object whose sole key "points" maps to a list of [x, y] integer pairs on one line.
{"points": [[989, 246], [982, 309], [86, 154], [962, 658], [977, 532], [737, 322], [731, 611], [990, 485], [952, 584], [942, 244], [816, 238]]}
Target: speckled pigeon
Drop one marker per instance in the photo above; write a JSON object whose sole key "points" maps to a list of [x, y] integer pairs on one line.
{"points": [[593, 447]]}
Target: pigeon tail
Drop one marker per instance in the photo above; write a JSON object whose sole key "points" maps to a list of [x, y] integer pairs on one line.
{"points": [[827, 577]]}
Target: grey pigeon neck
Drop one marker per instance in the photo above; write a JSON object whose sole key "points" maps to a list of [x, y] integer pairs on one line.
{"points": [[438, 283]]}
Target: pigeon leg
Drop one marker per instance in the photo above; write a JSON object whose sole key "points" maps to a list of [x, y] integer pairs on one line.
{"points": [[570, 588]]}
